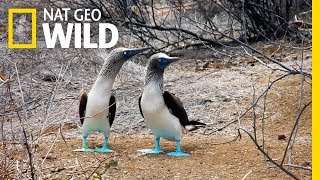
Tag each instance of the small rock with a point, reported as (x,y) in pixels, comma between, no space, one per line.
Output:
(96,176)
(49,76)
(112,163)
(281,137)
(58,170)
(205,101)
(306,164)
(226,99)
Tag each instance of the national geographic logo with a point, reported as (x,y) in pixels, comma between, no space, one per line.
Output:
(53,18)
(33,13)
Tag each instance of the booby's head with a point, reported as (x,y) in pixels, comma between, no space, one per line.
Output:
(156,65)
(160,61)
(116,58)
(126,53)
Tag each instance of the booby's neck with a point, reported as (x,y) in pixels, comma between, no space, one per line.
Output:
(107,75)
(102,86)
(111,67)
(154,77)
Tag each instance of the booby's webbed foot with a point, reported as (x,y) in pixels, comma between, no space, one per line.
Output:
(84,150)
(103,150)
(153,151)
(178,154)
(178,151)
(150,151)
(84,146)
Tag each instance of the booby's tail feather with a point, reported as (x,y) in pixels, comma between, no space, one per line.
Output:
(197,123)
(193,125)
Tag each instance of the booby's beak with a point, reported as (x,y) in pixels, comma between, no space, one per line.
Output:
(172,59)
(168,60)
(139,50)
(165,61)
(131,52)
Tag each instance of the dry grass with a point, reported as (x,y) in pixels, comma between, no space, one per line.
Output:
(207,161)
(215,96)
(215,86)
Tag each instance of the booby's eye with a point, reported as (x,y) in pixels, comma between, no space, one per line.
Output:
(125,53)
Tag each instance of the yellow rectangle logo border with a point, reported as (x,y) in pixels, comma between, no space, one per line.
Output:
(33,12)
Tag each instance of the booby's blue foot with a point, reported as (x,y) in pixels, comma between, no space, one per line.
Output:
(153,151)
(150,151)
(175,153)
(103,150)
(84,150)
(178,151)
(84,146)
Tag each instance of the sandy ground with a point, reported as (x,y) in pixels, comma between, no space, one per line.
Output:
(215,88)
(216,95)
(210,158)
(207,160)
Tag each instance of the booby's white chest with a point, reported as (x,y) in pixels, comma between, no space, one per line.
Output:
(157,115)
(97,108)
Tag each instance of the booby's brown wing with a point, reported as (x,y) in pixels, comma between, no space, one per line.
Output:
(112,109)
(140,107)
(175,106)
(82,106)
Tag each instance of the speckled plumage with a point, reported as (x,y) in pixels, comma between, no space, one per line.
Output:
(163,111)
(154,73)
(157,115)
(112,65)
(97,111)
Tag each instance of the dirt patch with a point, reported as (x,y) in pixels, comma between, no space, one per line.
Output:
(207,160)
(216,95)
(210,157)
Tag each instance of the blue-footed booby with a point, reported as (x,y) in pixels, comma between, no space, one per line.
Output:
(97,109)
(163,111)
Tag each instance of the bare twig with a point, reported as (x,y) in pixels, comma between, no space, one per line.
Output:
(22,124)
(299,106)
(268,157)
(293,130)
(245,176)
